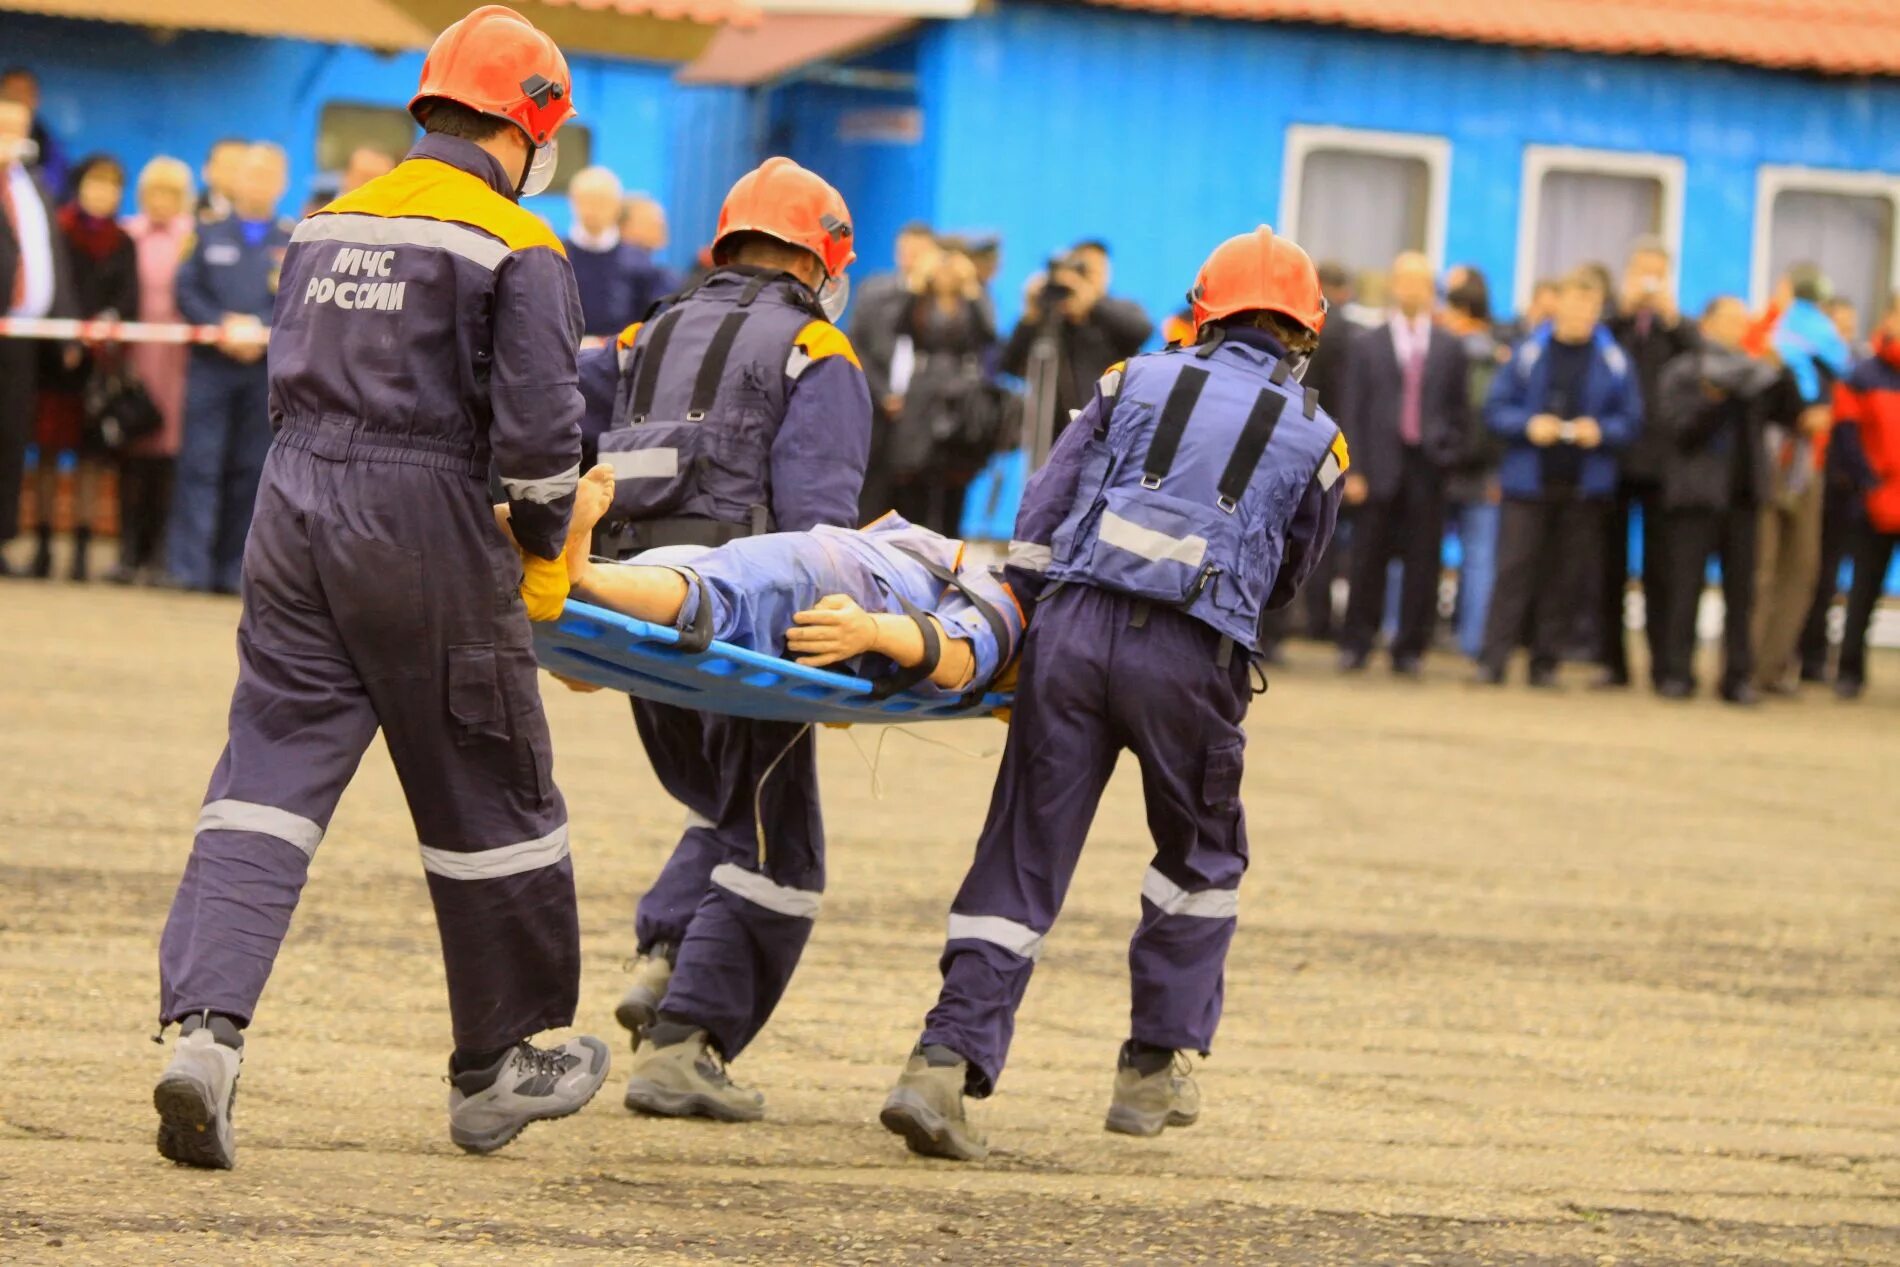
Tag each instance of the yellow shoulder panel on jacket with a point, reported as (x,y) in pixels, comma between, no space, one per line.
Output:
(1341,453)
(821,339)
(628,335)
(436,191)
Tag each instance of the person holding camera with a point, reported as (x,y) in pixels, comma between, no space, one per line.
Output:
(1710,407)
(1566,404)
(1068,311)
(950,414)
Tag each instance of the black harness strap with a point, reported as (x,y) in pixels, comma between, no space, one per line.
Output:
(1310,405)
(1279,374)
(984,608)
(1213,339)
(696,637)
(713,368)
(1254,437)
(1174,419)
(902,680)
(753,287)
(647,381)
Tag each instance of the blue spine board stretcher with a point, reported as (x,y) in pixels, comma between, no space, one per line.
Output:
(621,653)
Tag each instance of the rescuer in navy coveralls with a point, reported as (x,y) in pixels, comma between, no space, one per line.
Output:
(230,279)
(1194,493)
(426,331)
(740,409)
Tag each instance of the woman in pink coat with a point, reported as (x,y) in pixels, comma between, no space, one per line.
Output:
(162,230)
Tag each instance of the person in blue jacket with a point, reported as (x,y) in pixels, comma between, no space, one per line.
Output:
(739,410)
(425,340)
(1192,494)
(230,280)
(1566,404)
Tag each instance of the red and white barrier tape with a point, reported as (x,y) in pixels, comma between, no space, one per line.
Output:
(64,329)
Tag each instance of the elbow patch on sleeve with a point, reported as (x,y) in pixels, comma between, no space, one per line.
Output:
(814,343)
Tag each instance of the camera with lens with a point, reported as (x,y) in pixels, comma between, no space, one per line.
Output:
(1062,277)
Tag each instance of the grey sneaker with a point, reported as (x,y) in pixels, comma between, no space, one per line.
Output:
(1147,1103)
(640,1005)
(926,1108)
(688,1079)
(488,1107)
(197,1092)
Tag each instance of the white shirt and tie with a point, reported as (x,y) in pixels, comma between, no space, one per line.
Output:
(1411,341)
(26,213)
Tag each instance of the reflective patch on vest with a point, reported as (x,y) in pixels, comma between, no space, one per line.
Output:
(493,864)
(644,464)
(1030,557)
(1018,939)
(1110,384)
(548,488)
(761,891)
(440,235)
(1125,534)
(1172,899)
(264,820)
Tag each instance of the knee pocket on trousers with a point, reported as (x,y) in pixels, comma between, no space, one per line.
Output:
(1220,774)
(492,699)
(476,705)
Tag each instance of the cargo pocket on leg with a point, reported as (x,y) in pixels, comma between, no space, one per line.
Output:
(474,688)
(1220,797)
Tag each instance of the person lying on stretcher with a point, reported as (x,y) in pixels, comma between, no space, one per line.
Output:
(891,602)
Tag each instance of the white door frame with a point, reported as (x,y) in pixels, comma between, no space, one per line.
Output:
(1540,160)
(1303,139)
(1773,179)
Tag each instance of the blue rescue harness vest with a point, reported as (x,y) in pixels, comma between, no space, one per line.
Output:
(1190,481)
(701,395)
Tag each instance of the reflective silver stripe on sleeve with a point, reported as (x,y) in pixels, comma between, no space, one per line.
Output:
(643,464)
(1110,384)
(1125,534)
(698,820)
(355,228)
(1175,900)
(1018,939)
(1328,474)
(491,864)
(265,820)
(548,488)
(1030,557)
(760,891)
(797,363)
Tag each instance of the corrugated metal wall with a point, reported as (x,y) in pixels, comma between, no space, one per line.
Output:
(1164,135)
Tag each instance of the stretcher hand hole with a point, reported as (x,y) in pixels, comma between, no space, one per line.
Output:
(620,653)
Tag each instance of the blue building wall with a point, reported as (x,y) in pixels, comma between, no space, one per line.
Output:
(123,90)
(1164,135)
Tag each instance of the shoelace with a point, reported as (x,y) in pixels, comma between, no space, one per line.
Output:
(531,1059)
(1183,1066)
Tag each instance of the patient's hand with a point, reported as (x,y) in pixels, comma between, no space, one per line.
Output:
(836,629)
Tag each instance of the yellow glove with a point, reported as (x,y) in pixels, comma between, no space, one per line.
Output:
(543,586)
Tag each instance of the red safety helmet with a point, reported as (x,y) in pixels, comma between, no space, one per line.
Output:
(782,200)
(496,61)
(1259,272)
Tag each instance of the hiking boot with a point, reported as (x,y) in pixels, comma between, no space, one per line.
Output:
(640,1005)
(197,1092)
(687,1078)
(1152,1094)
(926,1107)
(492,1105)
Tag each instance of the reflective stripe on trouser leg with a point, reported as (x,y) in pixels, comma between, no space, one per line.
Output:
(1058,757)
(745,938)
(299,723)
(1177,963)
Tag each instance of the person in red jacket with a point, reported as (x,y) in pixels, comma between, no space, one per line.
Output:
(1870,405)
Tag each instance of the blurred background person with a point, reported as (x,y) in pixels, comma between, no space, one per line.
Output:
(1471,481)
(1844,484)
(1846,318)
(220,172)
(1709,406)
(1789,543)
(19,84)
(643,232)
(35,281)
(364,164)
(1086,331)
(1564,405)
(1403,412)
(229,280)
(105,277)
(608,274)
(161,232)
(1870,410)
(950,414)
(880,313)
(1650,328)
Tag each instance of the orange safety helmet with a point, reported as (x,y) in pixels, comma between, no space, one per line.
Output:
(782,200)
(1259,272)
(496,61)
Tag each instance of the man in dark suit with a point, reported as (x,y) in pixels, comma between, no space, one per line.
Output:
(35,281)
(1406,396)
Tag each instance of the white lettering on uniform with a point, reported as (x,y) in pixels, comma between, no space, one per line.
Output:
(346,295)
(359,296)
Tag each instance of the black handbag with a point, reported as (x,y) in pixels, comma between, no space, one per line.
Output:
(118,409)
